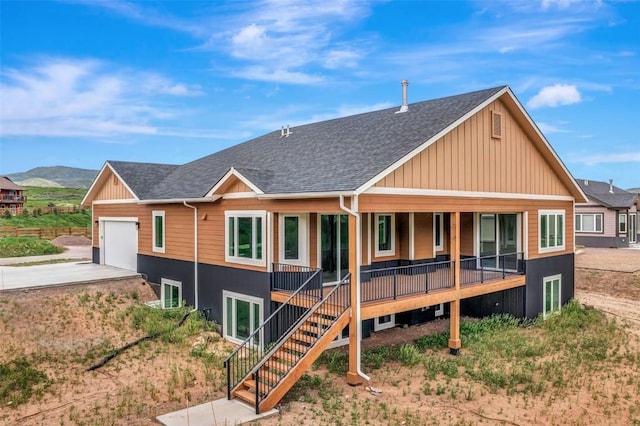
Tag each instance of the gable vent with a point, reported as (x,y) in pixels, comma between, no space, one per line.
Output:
(496,124)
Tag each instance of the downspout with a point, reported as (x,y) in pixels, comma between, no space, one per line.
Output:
(195,251)
(359,258)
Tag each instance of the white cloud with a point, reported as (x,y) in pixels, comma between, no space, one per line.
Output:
(622,157)
(277,75)
(560,4)
(556,95)
(550,128)
(66,97)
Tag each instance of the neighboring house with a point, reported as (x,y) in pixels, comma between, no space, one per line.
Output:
(609,218)
(308,237)
(12,196)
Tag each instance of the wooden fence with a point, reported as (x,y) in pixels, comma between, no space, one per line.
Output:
(46,233)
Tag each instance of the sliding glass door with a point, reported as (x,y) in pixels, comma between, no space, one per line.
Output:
(498,236)
(334,247)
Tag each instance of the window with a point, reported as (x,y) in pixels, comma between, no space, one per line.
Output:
(171,293)
(385,234)
(551,230)
(551,295)
(384,322)
(438,228)
(622,223)
(591,222)
(158,231)
(242,316)
(293,239)
(244,234)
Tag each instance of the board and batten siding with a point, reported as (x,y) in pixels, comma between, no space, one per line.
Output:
(112,188)
(469,159)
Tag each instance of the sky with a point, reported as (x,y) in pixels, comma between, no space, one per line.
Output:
(82,82)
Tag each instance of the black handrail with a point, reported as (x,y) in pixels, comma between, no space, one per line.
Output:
(391,283)
(241,362)
(480,269)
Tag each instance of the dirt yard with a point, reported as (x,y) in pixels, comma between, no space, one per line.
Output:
(63,330)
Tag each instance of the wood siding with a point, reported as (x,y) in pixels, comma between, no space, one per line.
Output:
(466,234)
(423,236)
(468,159)
(112,188)
(404,203)
(233,185)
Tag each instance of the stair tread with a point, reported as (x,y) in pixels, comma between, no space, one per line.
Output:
(301,337)
(245,395)
(300,348)
(287,357)
(310,328)
(275,364)
(251,385)
(318,319)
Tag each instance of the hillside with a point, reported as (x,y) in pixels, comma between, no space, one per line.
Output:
(67,177)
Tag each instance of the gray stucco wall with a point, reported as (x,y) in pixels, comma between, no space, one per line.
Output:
(537,270)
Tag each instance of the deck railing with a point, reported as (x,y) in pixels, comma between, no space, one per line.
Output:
(289,277)
(391,283)
(475,270)
(249,353)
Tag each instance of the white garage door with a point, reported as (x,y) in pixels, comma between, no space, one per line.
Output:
(120,245)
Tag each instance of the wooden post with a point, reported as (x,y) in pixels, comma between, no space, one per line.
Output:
(353,378)
(454,311)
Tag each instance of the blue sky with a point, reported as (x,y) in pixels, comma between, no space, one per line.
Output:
(168,82)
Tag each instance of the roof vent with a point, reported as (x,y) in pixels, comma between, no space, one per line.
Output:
(284,133)
(611,186)
(586,182)
(405,105)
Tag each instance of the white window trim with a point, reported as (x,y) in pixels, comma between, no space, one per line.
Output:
(392,235)
(544,295)
(438,247)
(303,232)
(564,233)
(243,260)
(439,310)
(622,220)
(579,217)
(167,281)
(154,214)
(341,339)
(378,326)
(245,298)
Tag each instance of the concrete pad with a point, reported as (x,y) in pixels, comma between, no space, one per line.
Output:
(220,412)
(22,277)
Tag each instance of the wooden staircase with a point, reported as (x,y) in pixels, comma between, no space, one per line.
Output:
(285,366)
(261,377)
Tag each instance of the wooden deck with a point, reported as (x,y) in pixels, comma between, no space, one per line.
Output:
(391,294)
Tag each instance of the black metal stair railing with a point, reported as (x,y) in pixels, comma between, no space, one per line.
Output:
(242,361)
(330,308)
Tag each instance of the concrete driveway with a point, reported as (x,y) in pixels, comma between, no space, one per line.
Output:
(23,277)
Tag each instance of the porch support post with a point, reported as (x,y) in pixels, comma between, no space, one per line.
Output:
(353,378)
(454,311)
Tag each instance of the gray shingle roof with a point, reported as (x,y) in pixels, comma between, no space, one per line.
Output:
(334,155)
(142,177)
(599,192)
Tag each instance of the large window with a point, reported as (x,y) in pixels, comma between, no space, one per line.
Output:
(551,294)
(293,239)
(242,316)
(158,231)
(622,223)
(551,230)
(438,231)
(589,222)
(244,234)
(385,235)
(171,293)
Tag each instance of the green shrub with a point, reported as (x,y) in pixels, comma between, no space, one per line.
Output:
(410,355)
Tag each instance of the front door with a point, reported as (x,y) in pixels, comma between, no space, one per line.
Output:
(633,228)
(334,247)
(498,236)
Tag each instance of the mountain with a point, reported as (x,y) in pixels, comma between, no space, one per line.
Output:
(67,177)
